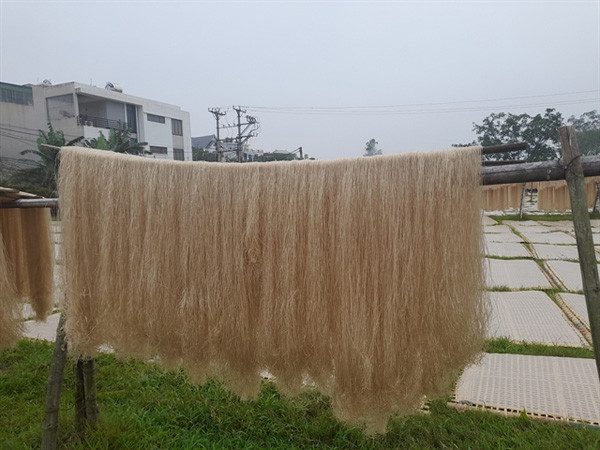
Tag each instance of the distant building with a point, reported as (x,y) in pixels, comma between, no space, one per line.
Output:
(82,110)
(228,147)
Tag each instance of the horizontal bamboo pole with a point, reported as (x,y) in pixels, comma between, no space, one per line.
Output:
(503,174)
(504,148)
(536,171)
(31,203)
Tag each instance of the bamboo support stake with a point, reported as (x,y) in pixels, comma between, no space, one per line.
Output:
(80,417)
(522,201)
(583,232)
(55,382)
(89,389)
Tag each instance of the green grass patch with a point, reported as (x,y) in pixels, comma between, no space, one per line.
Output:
(504,345)
(499,289)
(540,217)
(142,406)
(509,258)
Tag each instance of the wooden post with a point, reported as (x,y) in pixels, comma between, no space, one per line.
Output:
(89,386)
(80,417)
(86,403)
(55,382)
(583,232)
(522,201)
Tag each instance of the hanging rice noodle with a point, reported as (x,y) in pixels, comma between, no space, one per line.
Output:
(361,277)
(29,256)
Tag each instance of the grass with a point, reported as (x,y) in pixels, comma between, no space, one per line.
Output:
(504,345)
(142,406)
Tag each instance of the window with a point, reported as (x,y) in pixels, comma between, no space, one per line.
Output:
(158,150)
(132,118)
(177,127)
(155,118)
(21,95)
(60,107)
(178,154)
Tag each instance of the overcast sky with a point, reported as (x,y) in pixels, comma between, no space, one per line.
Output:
(331,75)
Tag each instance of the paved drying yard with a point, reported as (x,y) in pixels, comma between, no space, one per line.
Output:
(535,295)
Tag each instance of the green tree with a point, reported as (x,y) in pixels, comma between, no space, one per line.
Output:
(539,131)
(199,154)
(43,177)
(371,148)
(276,156)
(119,140)
(587,127)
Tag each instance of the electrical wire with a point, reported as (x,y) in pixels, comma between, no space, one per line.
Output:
(412,105)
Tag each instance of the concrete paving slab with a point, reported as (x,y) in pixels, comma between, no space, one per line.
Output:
(563,388)
(510,249)
(577,303)
(568,273)
(501,237)
(45,331)
(555,237)
(595,223)
(561,225)
(548,251)
(497,229)
(485,220)
(530,316)
(515,274)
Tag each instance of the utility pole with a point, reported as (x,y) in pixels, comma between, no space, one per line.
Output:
(239,111)
(218,114)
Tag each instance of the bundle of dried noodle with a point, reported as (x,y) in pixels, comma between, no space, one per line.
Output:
(502,197)
(29,256)
(554,195)
(11,326)
(27,264)
(361,277)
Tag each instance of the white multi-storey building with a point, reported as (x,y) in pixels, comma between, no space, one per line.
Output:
(82,110)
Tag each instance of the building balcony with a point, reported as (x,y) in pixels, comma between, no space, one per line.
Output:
(100,122)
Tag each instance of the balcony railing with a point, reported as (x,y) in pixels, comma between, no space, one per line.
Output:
(100,122)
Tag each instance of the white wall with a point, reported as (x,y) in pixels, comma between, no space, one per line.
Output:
(35,118)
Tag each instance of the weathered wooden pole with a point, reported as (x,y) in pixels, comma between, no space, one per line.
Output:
(80,417)
(86,402)
(522,200)
(583,232)
(55,382)
(89,386)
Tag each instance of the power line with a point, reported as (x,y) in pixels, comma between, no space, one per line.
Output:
(410,105)
(374,112)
